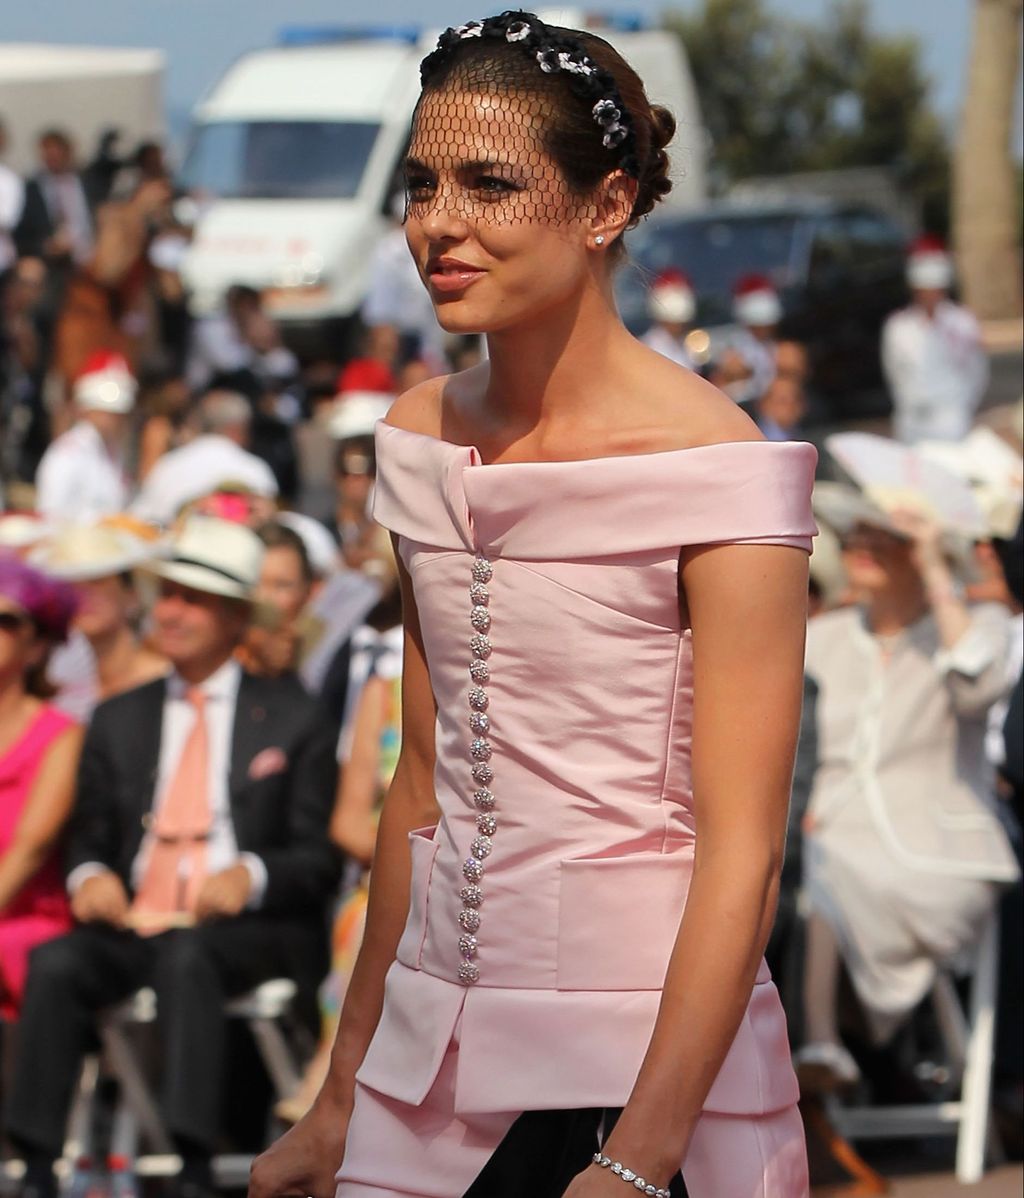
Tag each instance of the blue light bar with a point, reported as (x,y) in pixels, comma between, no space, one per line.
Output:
(319,35)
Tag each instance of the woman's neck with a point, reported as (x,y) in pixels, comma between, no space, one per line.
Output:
(554,366)
(12,697)
(892,610)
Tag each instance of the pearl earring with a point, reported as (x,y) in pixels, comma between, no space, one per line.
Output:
(599,239)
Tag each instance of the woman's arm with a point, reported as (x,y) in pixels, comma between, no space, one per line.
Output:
(44,816)
(748,609)
(353,824)
(410,803)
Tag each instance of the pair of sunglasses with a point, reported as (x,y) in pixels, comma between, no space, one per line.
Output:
(12,621)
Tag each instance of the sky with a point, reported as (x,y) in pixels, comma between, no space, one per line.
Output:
(202,37)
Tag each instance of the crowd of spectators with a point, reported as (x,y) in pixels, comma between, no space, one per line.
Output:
(201,646)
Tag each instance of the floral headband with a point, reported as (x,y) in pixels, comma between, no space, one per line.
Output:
(554,53)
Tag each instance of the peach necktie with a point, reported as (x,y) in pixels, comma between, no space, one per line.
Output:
(176,866)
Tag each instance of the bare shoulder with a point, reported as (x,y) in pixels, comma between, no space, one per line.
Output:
(688,410)
(423,408)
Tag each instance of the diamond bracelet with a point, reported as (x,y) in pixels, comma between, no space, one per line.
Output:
(620,1170)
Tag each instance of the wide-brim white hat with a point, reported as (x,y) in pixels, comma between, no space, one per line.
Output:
(80,553)
(841,507)
(214,556)
(992,469)
(892,476)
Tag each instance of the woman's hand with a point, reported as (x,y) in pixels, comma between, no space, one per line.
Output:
(304,1161)
(924,534)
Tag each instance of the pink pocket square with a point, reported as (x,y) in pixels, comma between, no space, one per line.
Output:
(267,763)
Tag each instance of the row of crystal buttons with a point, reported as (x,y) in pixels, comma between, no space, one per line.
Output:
(480,752)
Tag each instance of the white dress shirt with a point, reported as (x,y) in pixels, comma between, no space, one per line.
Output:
(197,469)
(936,370)
(12,199)
(79,479)
(221,691)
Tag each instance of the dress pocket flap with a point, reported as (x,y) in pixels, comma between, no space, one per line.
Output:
(618,918)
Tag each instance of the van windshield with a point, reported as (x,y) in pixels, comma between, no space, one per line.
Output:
(714,251)
(270,160)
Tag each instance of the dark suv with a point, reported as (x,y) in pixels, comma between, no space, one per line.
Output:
(839,271)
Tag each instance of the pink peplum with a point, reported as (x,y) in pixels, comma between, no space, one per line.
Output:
(546,902)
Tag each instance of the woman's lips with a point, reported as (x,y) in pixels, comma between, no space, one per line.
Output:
(452,277)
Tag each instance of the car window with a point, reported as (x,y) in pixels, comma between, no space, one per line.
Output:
(278,159)
(876,240)
(714,251)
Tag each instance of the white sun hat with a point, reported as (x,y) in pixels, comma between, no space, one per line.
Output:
(356,413)
(22,530)
(105,384)
(79,553)
(321,548)
(892,475)
(991,468)
(215,556)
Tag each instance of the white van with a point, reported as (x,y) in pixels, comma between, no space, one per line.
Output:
(294,156)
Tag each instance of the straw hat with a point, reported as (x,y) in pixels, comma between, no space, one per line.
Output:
(78,553)
(214,556)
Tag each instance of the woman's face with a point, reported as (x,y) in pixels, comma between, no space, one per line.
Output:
(105,605)
(20,646)
(282,582)
(876,560)
(495,232)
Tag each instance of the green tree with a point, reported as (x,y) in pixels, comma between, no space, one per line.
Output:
(780,95)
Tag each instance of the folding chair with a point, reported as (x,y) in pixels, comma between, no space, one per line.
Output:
(137,1118)
(969,1038)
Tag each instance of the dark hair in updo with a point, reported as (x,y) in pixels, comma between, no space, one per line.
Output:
(571,134)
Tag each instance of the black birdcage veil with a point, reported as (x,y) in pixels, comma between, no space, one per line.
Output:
(516,124)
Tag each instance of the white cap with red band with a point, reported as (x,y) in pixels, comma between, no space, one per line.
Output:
(672,299)
(756,303)
(105,384)
(929,266)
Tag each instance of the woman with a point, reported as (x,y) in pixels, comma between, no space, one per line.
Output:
(39,748)
(603,540)
(285,588)
(903,848)
(98,561)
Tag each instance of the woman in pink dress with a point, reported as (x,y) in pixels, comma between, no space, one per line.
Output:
(561,989)
(39,748)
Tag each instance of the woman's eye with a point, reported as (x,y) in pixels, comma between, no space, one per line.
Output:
(491,185)
(417,185)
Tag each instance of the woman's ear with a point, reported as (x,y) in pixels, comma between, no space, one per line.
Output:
(613,207)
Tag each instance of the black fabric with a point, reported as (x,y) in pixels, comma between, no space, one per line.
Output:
(544,1150)
(193,972)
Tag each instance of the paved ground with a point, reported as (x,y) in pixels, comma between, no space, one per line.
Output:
(1007,1182)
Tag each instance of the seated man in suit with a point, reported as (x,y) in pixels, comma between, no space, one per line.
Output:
(198,855)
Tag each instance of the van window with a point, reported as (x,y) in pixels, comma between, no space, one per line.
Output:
(271,160)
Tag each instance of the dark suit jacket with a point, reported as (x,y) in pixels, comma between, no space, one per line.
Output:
(35,225)
(282,818)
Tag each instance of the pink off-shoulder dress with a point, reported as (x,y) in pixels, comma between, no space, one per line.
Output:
(546,901)
(40,910)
